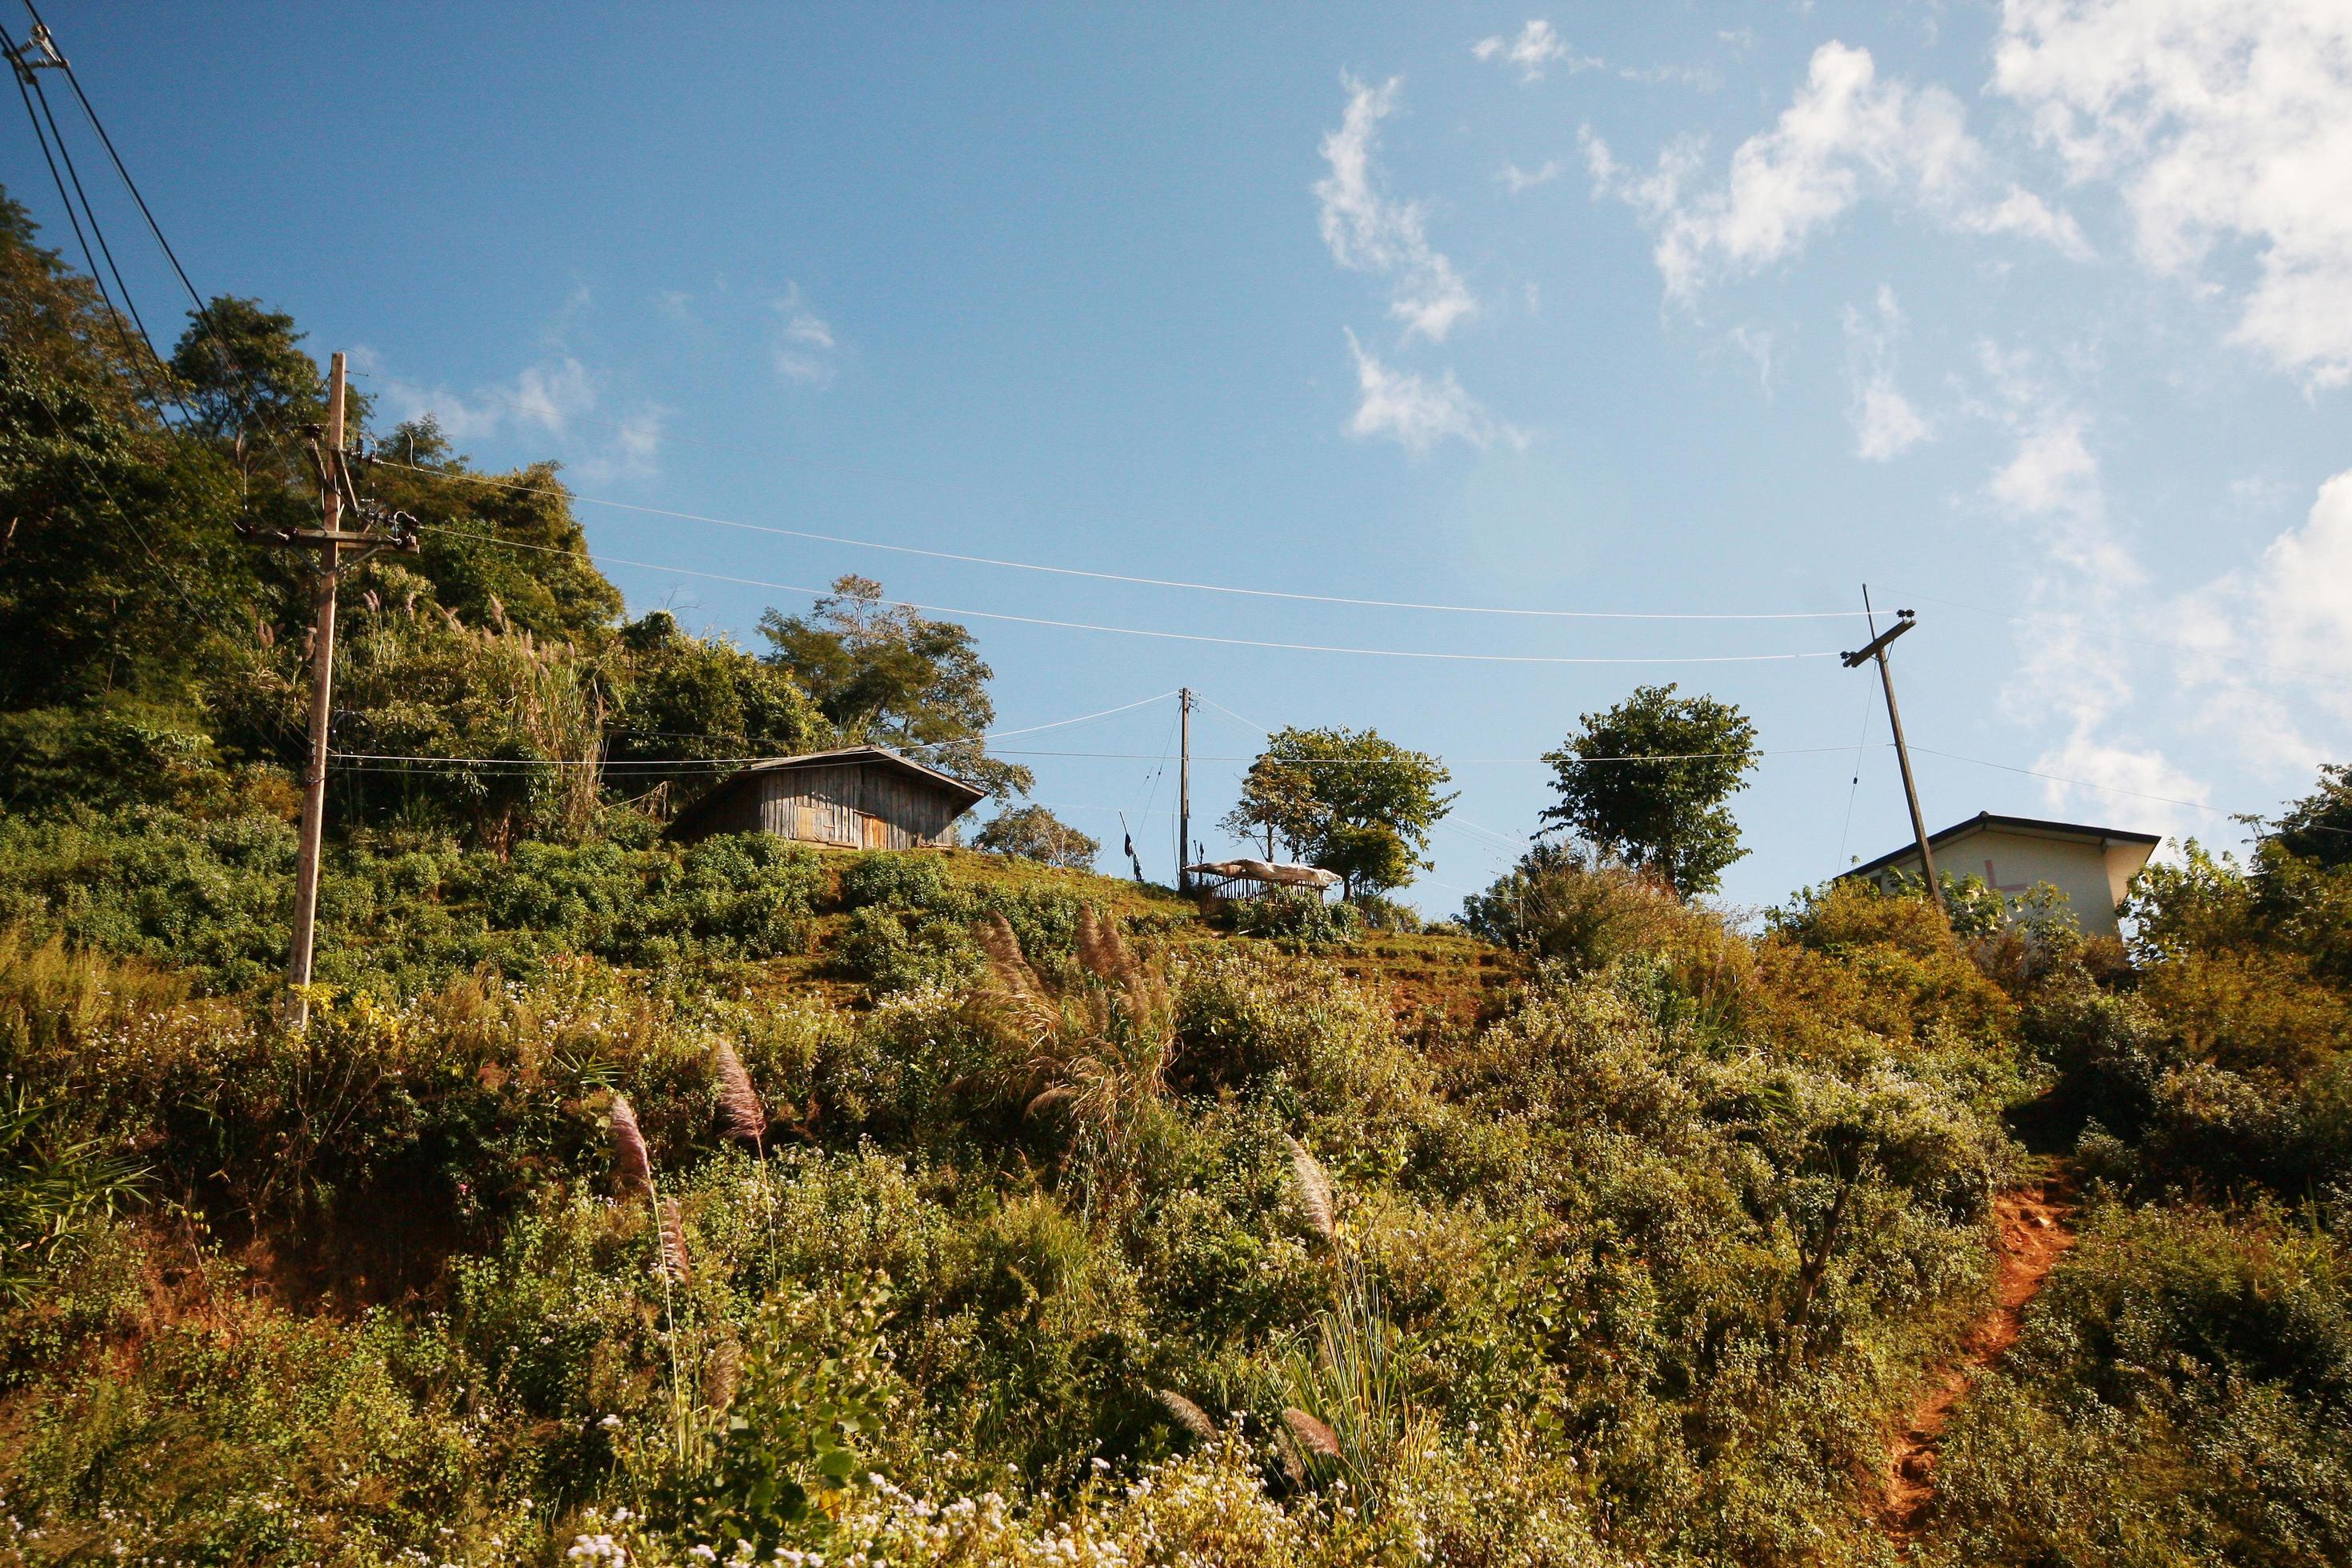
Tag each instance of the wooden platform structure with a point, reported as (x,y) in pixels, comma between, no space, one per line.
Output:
(1257,878)
(862,798)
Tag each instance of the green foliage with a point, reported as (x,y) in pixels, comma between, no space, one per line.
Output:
(246,376)
(2319,828)
(2179,1396)
(1035,834)
(880,673)
(1558,903)
(51,1192)
(1345,801)
(792,1429)
(1636,1260)
(399,913)
(688,699)
(1663,816)
(1296,914)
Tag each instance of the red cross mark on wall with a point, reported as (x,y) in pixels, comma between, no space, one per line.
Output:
(1995,882)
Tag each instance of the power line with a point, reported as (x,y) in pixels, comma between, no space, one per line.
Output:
(26,86)
(1126,577)
(2085,784)
(1082,719)
(1160,757)
(600,557)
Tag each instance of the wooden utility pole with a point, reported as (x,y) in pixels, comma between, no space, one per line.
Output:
(1184,789)
(335,488)
(1876,649)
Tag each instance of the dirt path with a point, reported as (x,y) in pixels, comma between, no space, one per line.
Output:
(2035,1233)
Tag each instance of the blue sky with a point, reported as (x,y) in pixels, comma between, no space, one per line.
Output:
(2037,318)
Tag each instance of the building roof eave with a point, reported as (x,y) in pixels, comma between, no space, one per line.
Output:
(2072,832)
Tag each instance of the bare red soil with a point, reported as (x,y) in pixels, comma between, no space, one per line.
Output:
(2033,1234)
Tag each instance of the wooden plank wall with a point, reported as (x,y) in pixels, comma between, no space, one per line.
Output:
(857,807)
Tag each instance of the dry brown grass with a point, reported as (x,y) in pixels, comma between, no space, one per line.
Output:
(741,1115)
(630,1156)
(1312,1186)
(1186,1413)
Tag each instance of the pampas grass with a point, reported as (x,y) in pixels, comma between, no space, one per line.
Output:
(673,1241)
(741,1116)
(1313,1435)
(1312,1187)
(1010,964)
(1051,1100)
(1102,953)
(1186,1413)
(629,1153)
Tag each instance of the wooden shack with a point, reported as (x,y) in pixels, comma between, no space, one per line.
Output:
(866,797)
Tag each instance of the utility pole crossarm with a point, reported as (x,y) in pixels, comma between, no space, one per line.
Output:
(1877,645)
(339,549)
(1875,651)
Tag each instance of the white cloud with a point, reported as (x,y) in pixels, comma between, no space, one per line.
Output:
(1885,425)
(804,342)
(1416,412)
(1535,47)
(1847,134)
(2222,120)
(2284,626)
(2053,472)
(2306,588)
(2136,784)
(559,402)
(1516,180)
(1368,232)
(552,396)
(1655,195)
(2262,645)
(631,450)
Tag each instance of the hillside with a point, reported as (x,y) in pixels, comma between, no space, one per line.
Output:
(632,1202)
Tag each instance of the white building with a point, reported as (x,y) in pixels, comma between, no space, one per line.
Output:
(2092,865)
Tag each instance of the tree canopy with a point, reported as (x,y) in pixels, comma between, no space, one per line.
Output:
(1034,833)
(1347,800)
(882,672)
(1645,784)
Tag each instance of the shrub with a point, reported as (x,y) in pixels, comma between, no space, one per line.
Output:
(1295,915)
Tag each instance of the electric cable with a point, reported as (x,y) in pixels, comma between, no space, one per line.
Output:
(595,556)
(1121,576)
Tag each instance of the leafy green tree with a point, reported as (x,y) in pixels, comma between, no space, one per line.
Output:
(505,548)
(1344,800)
(692,699)
(2319,828)
(1663,815)
(882,673)
(247,378)
(1033,833)
(54,324)
(118,569)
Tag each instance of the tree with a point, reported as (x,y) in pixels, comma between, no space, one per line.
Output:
(2319,828)
(1662,816)
(1035,834)
(880,673)
(696,700)
(1345,801)
(247,377)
